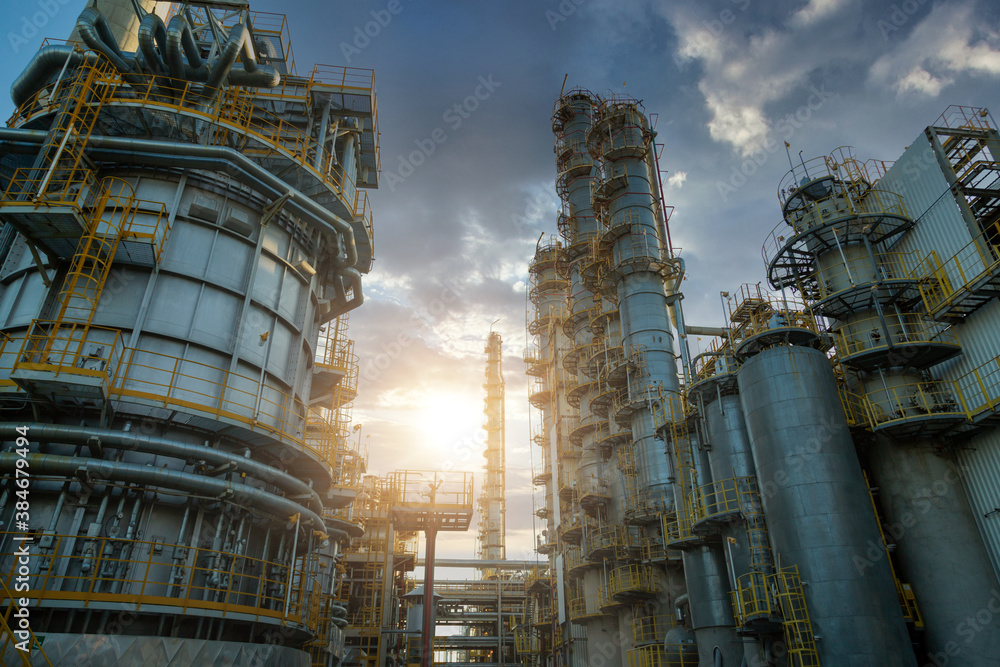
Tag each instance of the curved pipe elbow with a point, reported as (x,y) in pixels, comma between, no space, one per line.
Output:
(153,42)
(259,77)
(96,33)
(227,57)
(181,47)
(46,62)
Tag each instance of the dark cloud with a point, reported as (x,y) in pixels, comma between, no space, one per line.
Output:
(454,236)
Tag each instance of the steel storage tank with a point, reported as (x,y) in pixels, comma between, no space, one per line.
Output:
(817,506)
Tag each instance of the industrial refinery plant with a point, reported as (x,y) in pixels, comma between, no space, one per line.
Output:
(185,231)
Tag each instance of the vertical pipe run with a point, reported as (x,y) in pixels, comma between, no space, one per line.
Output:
(427,655)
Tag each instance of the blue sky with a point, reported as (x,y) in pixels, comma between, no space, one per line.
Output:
(467,190)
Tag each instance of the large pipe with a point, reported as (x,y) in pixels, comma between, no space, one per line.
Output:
(268,503)
(170,154)
(153,42)
(483,564)
(96,33)
(227,56)
(165,447)
(46,62)
(181,45)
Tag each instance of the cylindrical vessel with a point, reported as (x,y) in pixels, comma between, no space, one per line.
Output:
(817,506)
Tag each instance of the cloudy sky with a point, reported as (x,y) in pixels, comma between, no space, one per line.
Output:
(465,97)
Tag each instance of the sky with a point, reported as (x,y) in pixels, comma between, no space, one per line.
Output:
(465,96)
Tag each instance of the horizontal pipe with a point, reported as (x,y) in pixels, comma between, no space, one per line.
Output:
(694,330)
(485,564)
(166,447)
(69,466)
(47,61)
(184,155)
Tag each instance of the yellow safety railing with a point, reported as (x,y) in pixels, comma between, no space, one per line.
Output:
(866,335)
(780,313)
(410,488)
(718,360)
(69,348)
(723,497)
(903,402)
(584,607)
(855,408)
(634,580)
(907,600)
(944,283)
(142,573)
(647,629)
(226,109)
(175,381)
(981,388)
(841,277)
(752,598)
(9,624)
(665,655)
(64,189)
(840,205)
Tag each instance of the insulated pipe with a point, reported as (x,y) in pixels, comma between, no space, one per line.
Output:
(268,503)
(46,62)
(694,330)
(95,31)
(169,154)
(166,447)
(227,57)
(181,45)
(153,42)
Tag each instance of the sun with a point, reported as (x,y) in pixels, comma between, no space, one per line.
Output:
(449,424)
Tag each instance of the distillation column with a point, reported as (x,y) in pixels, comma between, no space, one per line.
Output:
(547,289)
(571,121)
(626,201)
(492,503)
(844,258)
(815,497)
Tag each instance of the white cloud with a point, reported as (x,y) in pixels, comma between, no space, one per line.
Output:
(816,11)
(946,43)
(677,179)
(747,67)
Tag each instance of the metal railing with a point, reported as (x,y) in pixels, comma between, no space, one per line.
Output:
(71,349)
(943,283)
(231,110)
(867,335)
(981,388)
(181,577)
(634,580)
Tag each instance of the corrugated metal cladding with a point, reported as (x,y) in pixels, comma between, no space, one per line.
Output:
(940,227)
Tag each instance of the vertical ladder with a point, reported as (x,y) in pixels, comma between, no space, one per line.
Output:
(7,620)
(798,628)
(91,264)
(60,160)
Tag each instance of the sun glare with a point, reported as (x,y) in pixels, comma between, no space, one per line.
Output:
(449,424)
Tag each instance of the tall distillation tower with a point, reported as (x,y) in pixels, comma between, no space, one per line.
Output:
(492,502)
(185,229)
